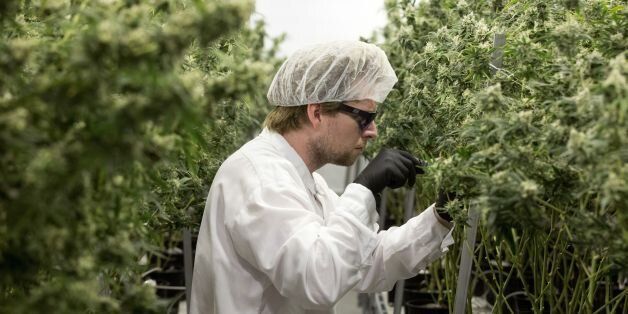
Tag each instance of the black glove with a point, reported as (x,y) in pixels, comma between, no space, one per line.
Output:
(390,168)
(442,200)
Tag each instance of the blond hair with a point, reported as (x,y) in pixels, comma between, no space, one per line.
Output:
(283,119)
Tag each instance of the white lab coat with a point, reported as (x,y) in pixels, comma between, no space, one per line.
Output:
(275,239)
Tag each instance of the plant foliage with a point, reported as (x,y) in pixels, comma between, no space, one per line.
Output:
(114,116)
(533,134)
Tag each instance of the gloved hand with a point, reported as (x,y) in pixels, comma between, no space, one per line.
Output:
(442,200)
(390,168)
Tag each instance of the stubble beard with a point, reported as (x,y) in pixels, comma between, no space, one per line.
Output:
(324,152)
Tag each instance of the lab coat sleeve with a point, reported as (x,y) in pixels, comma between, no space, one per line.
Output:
(403,251)
(308,259)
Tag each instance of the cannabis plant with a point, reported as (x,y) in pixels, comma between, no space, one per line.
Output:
(108,110)
(532,133)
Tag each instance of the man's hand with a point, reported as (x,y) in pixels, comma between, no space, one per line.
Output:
(390,168)
(442,200)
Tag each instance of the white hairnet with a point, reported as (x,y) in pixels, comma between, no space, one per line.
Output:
(334,71)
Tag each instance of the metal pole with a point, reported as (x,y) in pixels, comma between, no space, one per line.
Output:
(466,261)
(187,265)
(468,246)
(365,300)
(370,302)
(408,206)
(497,57)
(375,298)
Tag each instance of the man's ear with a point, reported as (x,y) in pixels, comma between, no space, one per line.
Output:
(314,115)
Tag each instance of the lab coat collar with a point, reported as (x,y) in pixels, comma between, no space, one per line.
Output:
(280,143)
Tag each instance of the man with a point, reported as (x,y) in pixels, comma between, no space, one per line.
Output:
(274,237)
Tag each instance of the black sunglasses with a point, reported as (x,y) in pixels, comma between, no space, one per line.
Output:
(363,118)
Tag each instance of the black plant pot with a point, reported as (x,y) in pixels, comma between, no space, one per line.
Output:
(423,302)
(416,283)
(420,296)
(417,307)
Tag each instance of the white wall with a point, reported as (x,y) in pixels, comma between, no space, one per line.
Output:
(314,21)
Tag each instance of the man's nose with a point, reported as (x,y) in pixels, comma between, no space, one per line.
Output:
(370,132)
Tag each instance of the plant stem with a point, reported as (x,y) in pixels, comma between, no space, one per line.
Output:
(592,282)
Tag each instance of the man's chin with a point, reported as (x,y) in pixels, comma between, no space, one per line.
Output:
(346,161)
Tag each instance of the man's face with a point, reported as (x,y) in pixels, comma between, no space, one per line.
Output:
(343,140)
